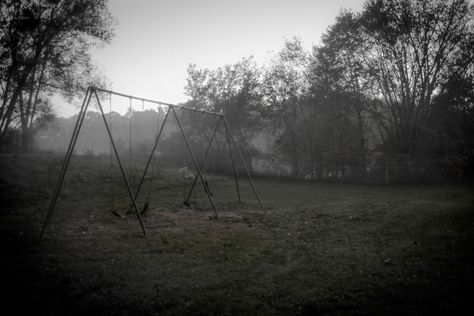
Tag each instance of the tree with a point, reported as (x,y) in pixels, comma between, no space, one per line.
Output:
(341,63)
(44,49)
(396,65)
(336,133)
(286,86)
(414,46)
(233,90)
(449,140)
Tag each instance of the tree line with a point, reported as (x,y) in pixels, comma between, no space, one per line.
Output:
(134,134)
(392,81)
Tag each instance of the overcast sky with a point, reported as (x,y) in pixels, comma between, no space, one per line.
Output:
(156,40)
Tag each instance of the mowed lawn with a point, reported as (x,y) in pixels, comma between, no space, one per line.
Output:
(315,248)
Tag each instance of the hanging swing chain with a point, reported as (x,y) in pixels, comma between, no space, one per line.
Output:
(122,170)
(130,144)
(112,180)
(193,158)
(157,134)
(150,158)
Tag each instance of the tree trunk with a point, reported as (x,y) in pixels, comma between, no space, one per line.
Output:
(26,138)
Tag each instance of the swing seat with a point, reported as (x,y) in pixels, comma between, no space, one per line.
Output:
(117,214)
(145,207)
(206,188)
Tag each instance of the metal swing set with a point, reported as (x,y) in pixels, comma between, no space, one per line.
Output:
(92,92)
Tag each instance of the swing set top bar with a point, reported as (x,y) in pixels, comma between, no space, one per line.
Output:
(156,102)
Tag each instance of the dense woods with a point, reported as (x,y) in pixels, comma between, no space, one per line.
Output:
(388,88)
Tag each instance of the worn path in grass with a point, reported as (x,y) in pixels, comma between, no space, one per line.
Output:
(315,248)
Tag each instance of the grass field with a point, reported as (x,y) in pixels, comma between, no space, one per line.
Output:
(315,248)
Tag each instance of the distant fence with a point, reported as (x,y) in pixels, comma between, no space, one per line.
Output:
(401,171)
(397,171)
(377,169)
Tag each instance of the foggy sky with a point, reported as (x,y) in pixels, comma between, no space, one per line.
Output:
(157,39)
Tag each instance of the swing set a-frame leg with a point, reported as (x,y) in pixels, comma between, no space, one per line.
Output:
(122,170)
(186,201)
(68,156)
(242,162)
(150,158)
(236,179)
(67,159)
(229,139)
(198,170)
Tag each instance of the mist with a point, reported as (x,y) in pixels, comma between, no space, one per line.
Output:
(238,158)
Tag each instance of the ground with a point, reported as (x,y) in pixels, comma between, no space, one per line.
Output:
(315,248)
